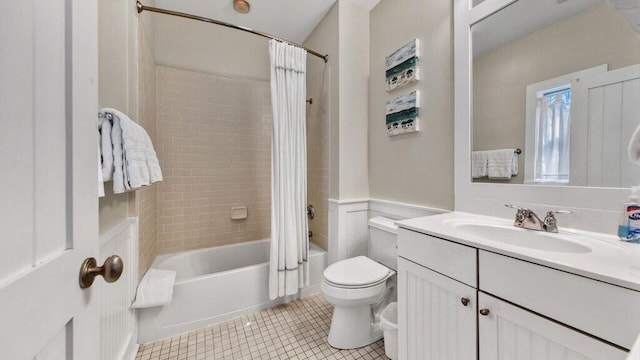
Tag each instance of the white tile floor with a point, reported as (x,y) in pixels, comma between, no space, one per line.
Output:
(297,330)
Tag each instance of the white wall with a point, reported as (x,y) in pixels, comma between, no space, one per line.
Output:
(415,168)
(342,34)
(353,112)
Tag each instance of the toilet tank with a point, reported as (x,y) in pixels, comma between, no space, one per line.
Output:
(383,236)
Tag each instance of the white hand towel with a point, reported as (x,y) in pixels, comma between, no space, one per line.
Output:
(100,176)
(106,145)
(118,158)
(155,289)
(479,164)
(634,147)
(500,164)
(135,161)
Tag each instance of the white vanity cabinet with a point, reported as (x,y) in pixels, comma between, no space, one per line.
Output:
(437,315)
(460,302)
(437,312)
(507,332)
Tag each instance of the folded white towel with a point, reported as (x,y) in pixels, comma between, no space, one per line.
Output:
(135,163)
(155,289)
(106,146)
(100,176)
(118,157)
(479,164)
(502,164)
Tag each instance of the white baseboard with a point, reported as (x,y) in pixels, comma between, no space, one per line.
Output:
(132,350)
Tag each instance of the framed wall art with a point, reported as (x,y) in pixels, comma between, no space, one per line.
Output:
(402,67)
(402,114)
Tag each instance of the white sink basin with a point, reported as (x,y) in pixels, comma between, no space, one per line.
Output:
(530,239)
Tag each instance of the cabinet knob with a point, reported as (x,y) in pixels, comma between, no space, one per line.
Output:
(484,312)
(464,301)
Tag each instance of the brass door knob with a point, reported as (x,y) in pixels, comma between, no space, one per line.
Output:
(484,312)
(110,270)
(464,301)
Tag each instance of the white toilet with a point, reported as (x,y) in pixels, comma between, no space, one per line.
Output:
(359,288)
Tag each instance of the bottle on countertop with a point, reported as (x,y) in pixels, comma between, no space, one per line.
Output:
(629,227)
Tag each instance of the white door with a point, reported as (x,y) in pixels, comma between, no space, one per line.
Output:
(508,332)
(48,178)
(436,315)
(604,115)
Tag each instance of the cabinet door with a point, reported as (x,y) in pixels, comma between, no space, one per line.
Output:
(508,332)
(436,315)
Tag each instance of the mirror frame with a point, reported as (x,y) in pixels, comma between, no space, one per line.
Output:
(595,208)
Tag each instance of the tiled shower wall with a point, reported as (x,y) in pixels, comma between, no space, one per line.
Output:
(214,144)
(146,198)
(318,153)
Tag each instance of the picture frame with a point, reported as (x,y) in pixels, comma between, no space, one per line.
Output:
(402,115)
(402,67)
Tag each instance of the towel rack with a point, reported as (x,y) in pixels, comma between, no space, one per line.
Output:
(107,116)
(517,151)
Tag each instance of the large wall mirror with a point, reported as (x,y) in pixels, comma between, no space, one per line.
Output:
(556,83)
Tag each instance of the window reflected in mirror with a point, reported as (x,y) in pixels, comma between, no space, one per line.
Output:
(551,151)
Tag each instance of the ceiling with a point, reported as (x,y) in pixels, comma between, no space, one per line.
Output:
(292,20)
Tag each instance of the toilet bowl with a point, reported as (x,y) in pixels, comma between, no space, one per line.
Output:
(359,288)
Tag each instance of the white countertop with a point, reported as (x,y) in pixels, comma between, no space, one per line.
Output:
(611,260)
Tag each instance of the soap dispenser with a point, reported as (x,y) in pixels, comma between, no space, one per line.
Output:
(629,227)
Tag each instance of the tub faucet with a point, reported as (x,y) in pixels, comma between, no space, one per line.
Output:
(526,219)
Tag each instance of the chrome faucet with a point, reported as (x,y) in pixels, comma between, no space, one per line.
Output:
(526,219)
(549,223)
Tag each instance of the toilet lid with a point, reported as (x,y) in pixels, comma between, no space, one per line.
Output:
(357,271)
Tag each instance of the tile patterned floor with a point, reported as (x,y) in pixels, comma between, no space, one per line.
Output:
(296,331)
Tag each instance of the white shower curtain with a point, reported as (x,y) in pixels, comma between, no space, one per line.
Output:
(552,161)
(288,270)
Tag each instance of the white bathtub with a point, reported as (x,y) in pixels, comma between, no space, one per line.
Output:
(216,284)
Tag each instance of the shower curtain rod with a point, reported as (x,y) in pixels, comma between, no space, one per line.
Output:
(142,8)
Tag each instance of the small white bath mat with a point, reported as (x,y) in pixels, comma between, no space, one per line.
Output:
(155,289)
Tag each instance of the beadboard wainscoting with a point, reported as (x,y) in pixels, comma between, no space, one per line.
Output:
(117,319)
(347,228)
(349,220)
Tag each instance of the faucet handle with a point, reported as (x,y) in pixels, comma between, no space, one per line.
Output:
(550,224)
(551,213)
(514,207)
(521,215)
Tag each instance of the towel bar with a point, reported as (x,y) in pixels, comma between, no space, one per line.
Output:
(107,116)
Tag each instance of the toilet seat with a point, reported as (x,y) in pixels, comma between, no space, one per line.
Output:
(356,273)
